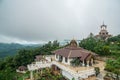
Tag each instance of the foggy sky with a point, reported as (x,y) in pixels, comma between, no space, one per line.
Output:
(43,20)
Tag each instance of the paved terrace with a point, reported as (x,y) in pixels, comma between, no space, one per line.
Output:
(82,72)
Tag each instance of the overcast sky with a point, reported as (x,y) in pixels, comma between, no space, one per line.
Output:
(31,21)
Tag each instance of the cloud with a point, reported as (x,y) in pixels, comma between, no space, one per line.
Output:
(7,39)
(44,20)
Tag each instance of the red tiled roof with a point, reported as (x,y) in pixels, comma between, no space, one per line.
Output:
(39,58)
(72,51)
(79,53)
(22,68)
(63,52)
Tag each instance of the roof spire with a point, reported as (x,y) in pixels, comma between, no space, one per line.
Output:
(73,37)
(103,22)
(73,43)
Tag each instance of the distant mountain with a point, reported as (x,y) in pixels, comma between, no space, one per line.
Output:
(11,49)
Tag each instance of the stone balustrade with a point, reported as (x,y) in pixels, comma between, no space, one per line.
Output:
(76,75)
(38,65)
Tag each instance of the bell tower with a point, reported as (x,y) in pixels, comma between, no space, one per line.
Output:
(103,34)
(103,27)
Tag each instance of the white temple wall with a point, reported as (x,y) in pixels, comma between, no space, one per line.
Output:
(63,60)
(57,58)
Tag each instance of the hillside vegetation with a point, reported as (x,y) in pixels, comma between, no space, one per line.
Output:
(109,49)
(8,65)
(12,48)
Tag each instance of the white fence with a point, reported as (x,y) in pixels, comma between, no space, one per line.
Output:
(67,72)
(38,65)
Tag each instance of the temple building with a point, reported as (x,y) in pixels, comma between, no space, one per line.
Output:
(61,61)
(103,34)
(72,51)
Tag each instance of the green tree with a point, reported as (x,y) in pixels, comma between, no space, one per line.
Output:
(73,78)
(97,70)
(55,43)
(114,67)
(88,43)
(76,62)
(106,49)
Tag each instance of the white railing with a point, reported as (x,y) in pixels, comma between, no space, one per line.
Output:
(20,71)
(81,74)
(49,57)
(38,65)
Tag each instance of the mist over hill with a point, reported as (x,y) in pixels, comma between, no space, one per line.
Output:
(10,49)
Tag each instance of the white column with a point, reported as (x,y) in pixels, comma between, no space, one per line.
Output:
(87,63)
(83,63)
(68,61)
(63,60)
(23,78)
(56,57)
(31,75)
(92,62)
